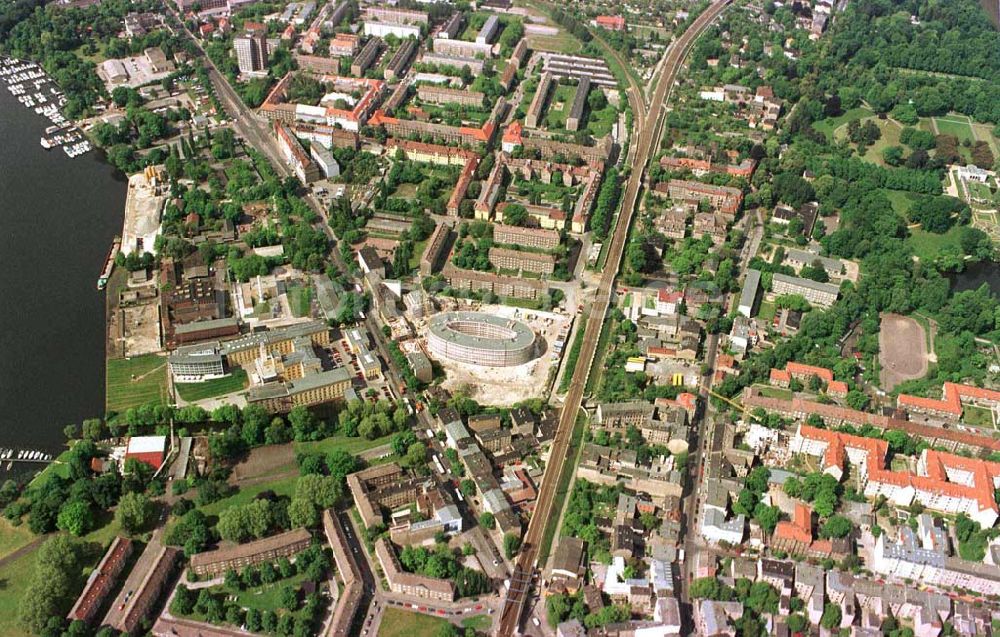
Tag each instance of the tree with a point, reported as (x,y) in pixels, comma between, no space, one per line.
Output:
(241,523)
(556,609)
(53,584)
(837,526)
(290,598)
(858,400)
(831,617)
(76,518)
(134,512)
(511,544)
(183,602)
(468,487)
(766,516)
(487,521)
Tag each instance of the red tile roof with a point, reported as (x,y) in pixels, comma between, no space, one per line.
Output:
(799,528)
(954,395)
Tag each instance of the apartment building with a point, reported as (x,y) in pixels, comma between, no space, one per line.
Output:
(269,549)
(579,104)
(101,581)
(816,293)
(401,60)
(526,237)
(251,51)
(804,374)
(462,48)
(367,56)
(499,285)
(723,198)
(436,249)
(445,95)
(944,482)
(381,486)
(533,117)
(508,259)
(404,583)
(312,389)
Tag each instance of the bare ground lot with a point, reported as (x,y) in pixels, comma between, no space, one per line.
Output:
(902,346)
(263,461)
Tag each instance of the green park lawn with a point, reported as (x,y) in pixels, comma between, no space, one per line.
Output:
(766,311)
(193,392)
(927,245)
(775,392)
(136,381)
(353,445)
(300,299)
(14,580)
(560,102)
(401,623)
(978,417)
(957,125)
(901,200)
(562,42)
(281,486)
(479,623)
(830,125)
(13,537)
(266,597)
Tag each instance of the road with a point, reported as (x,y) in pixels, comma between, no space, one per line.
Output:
(692,501)
(645,143)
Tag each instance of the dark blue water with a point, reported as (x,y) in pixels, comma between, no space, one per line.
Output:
(57,220)
(975,275)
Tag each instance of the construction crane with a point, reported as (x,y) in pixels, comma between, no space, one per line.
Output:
(742,409)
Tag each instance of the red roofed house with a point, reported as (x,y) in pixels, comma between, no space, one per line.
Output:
(802,373)
(943,482)
(950,406)
(511,137)
(149,449)
(794,536)
(611,22)
(686,401)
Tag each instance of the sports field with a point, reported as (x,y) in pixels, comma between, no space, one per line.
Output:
(136,381)
(957,125)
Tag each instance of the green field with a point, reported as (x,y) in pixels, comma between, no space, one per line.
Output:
(234,382)
(350,445)
(57,468)
(300,299)
(282,486)
(901,200)
(977,417)
(13,537)
(560,102)
(890,137)
(563,42)
(264,597)
(829,125)
(14,580)
(479,623)
(956,125)
(928,245)
(401,623)
(775,392)
(136,381)
(766,312)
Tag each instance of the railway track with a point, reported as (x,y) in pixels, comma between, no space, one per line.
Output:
(521,582)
